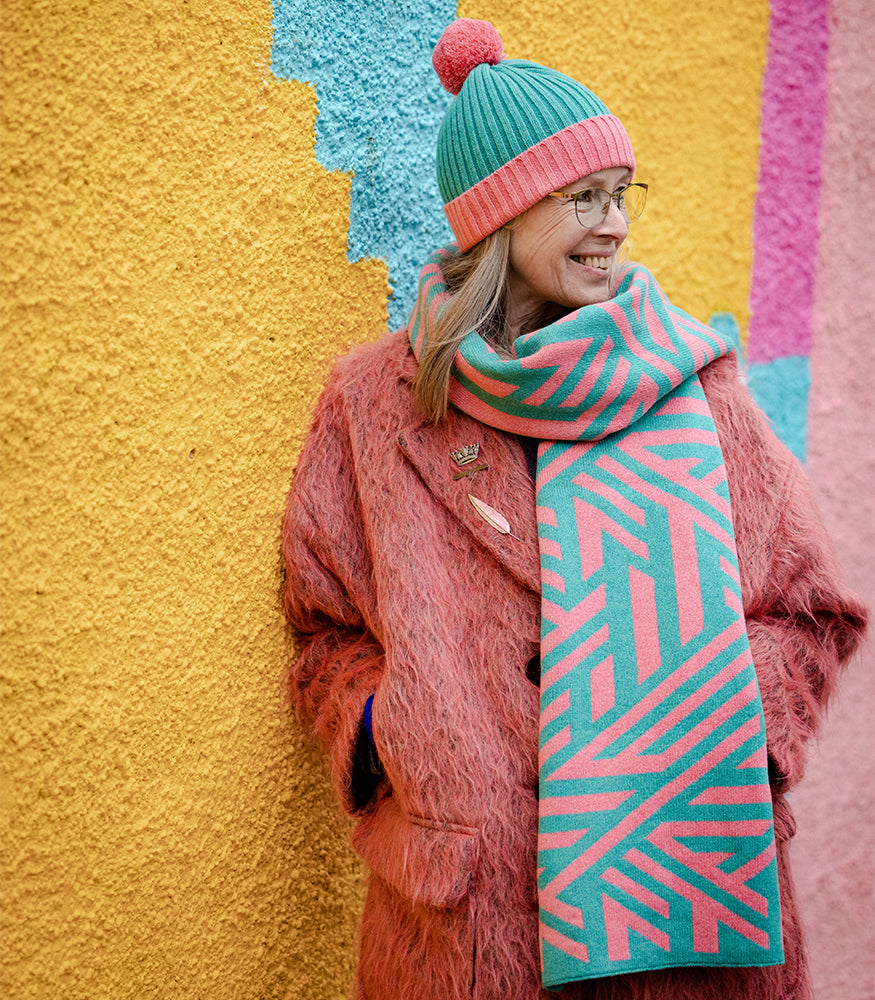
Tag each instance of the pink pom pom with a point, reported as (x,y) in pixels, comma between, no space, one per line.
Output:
(463,45)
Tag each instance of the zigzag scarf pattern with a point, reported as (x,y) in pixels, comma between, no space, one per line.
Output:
(656,844)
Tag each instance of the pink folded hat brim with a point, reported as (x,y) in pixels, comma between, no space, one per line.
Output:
(581,149)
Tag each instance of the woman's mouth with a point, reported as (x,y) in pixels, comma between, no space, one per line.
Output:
(602,263)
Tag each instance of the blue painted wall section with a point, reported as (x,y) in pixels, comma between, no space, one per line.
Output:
(380,108)
(780,388)
(727,326)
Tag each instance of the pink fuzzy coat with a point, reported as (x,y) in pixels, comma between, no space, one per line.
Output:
(397,586)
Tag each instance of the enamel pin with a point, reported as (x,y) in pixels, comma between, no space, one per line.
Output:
(465,457)
(491,516)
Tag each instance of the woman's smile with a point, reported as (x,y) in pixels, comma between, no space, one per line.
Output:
(597,263)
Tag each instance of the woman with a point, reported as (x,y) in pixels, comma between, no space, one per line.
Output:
(563,709)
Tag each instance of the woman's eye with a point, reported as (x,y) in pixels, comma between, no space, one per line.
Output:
(585,197)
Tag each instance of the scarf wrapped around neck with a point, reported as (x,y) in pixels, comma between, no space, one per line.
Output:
(655,840)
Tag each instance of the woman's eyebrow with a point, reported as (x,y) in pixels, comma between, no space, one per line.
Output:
(597,181)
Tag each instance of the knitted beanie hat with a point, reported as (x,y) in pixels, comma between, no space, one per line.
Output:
(515,132)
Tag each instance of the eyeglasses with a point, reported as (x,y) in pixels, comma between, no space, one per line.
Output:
(593,204)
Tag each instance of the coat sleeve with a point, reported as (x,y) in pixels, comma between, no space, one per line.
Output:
(328,600)
(803,624)
(803,627)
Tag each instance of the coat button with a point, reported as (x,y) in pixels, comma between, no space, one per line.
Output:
(533,670)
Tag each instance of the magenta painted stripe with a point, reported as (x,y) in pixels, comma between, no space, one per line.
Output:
(785,229)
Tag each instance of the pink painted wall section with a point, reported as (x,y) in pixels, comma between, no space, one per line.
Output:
(785,227)
(785,220)
(835,805)
(811,359)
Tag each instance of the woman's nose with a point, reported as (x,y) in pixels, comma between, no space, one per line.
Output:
(613,222)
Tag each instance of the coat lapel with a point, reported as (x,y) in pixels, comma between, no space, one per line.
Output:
(504,485)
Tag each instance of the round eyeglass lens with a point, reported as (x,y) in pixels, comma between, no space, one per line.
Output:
(632,201)
(592,206)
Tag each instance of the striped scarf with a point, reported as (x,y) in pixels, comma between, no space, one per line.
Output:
(655,842)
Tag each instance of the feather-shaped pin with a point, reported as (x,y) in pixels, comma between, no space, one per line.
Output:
(491,516)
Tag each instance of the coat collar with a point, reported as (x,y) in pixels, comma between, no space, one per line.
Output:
(504,485)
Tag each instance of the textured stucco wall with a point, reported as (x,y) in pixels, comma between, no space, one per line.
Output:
(175,282)
(194,223)
(835,805)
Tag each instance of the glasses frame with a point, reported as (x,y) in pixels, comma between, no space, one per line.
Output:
(614,196)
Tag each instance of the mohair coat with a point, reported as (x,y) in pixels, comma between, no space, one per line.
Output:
(396,585)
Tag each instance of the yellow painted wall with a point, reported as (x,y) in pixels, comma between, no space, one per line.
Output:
(174,286)
(175,283)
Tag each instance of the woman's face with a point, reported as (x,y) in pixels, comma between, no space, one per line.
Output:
(555,264)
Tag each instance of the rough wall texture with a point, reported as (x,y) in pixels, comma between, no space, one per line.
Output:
(175,283)
(835,805)
(181,261)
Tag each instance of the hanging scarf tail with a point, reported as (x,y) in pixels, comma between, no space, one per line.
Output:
(656,844)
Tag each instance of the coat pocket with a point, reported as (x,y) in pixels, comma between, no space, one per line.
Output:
(417,934)
(426,861)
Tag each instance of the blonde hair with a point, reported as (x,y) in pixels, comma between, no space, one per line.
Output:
(477,280)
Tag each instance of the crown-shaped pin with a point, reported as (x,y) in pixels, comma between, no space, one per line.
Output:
(469,453)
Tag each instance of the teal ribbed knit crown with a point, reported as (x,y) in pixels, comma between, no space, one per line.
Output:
(500,112)
(515,132)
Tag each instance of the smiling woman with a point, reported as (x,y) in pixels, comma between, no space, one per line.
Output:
(566,614)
